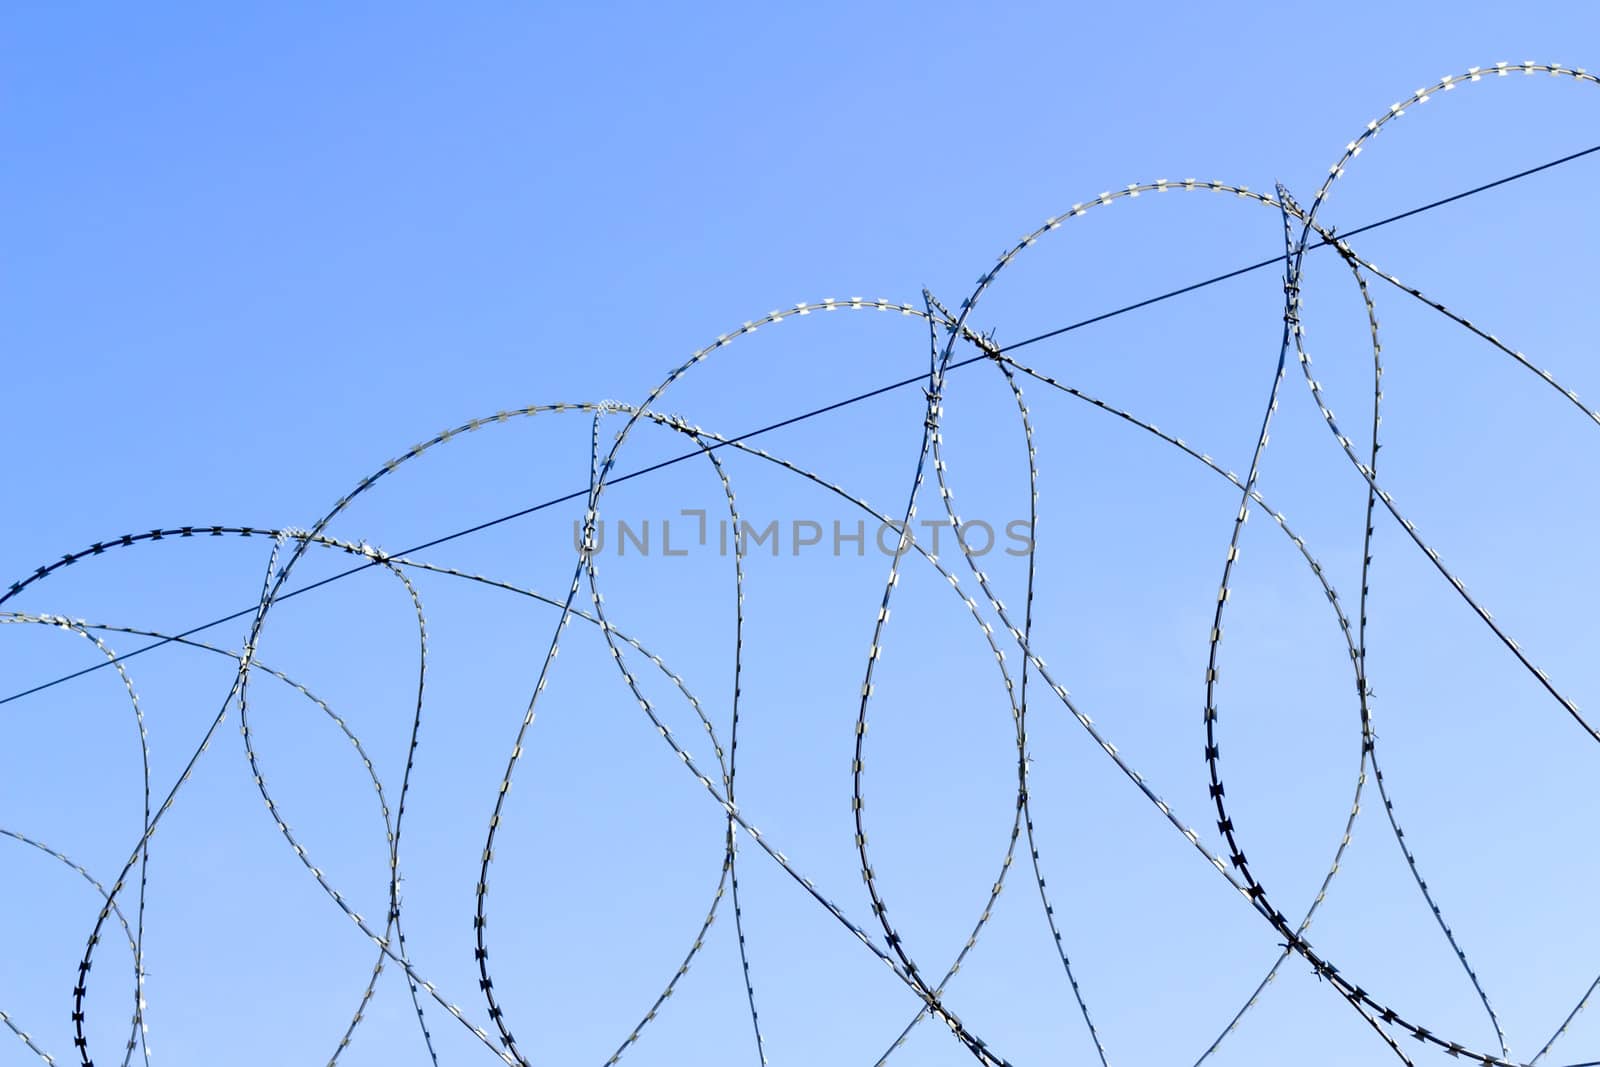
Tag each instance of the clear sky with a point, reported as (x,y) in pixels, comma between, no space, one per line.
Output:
(254,253)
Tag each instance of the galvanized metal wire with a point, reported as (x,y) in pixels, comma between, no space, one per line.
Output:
(1029,685)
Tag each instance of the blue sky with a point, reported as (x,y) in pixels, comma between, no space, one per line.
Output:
(256,253)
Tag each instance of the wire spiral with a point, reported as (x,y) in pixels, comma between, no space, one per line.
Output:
(1006,631)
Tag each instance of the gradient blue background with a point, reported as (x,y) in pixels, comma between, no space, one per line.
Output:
(253,253)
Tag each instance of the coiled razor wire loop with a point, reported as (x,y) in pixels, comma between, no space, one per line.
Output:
(948,332)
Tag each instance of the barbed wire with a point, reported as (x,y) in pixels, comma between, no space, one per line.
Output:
(1003,631)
